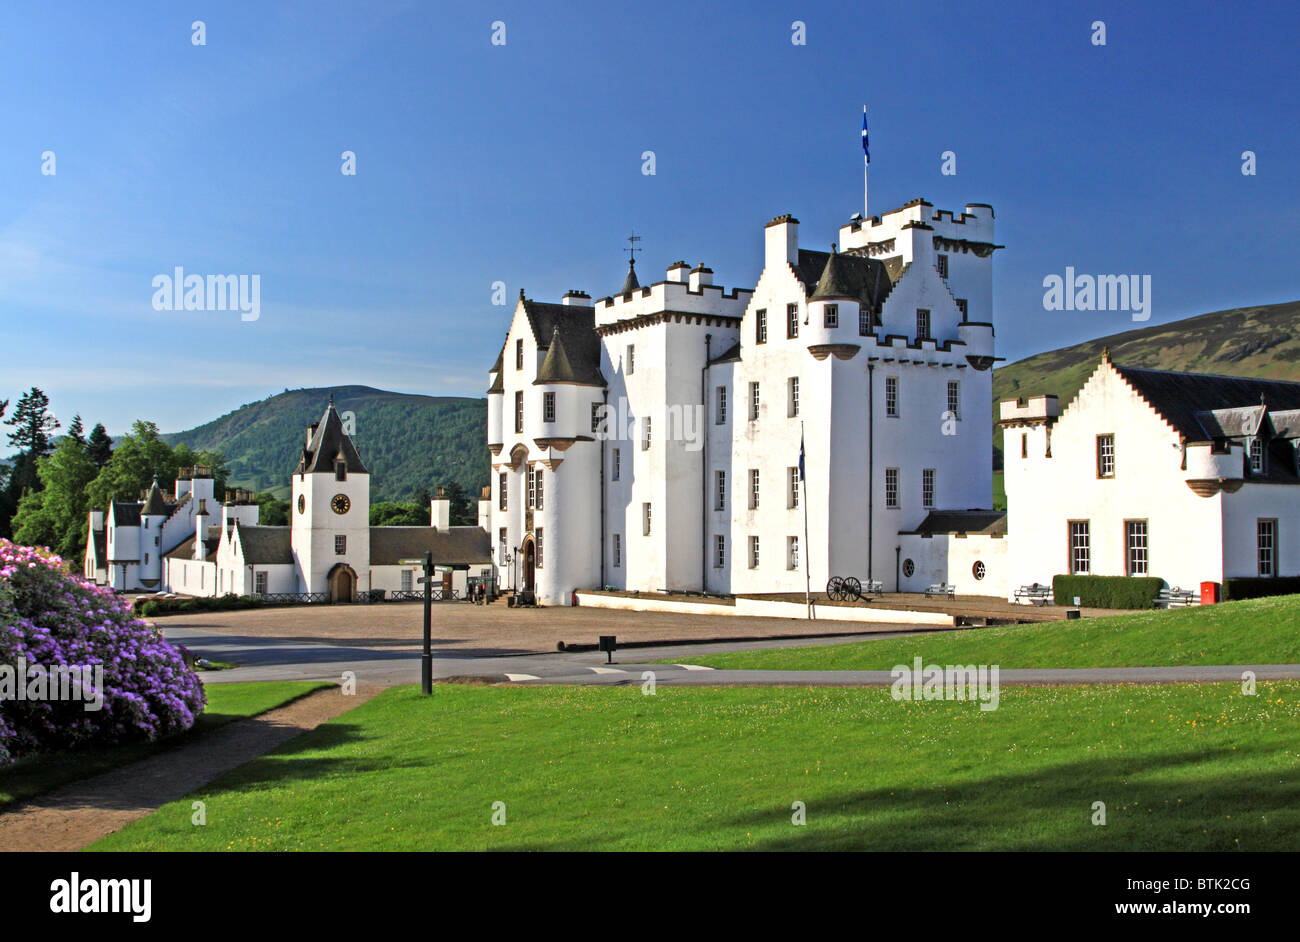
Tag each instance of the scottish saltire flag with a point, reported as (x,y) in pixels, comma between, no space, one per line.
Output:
(866,151)
(800,456)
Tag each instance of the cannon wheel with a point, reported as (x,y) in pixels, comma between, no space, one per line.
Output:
(853,589)
(835,588)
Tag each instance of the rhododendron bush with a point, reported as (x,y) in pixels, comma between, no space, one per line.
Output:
(48,618)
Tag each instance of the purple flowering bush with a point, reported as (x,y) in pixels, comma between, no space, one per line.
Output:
(50,617)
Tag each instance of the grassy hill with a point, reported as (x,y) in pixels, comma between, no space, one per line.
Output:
(408,442)
(1247,341)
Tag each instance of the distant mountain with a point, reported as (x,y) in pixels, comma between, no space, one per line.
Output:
(1245,341)
(409,443)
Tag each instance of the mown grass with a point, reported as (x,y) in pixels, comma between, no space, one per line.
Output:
(1179,767)
(1254,631)
(33,776)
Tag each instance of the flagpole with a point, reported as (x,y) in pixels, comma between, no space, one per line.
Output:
(807,576)
(866,167)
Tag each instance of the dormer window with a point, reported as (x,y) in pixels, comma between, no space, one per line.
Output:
(1256,456)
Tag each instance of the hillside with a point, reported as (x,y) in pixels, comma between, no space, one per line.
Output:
(409,443)
(1248,341)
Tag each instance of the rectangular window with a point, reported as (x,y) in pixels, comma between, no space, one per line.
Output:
(927,487)
(618,464)
(922,324)
(760,326)
(891,487)
(753,488)
(548,407)
(259,583)
(645,519)
(961,306)
(501,545)
(1080,548)
(954,398)
(519,354)
(864,320)
(340,545)
(793,477)
(340,471)
(792,552)
(645,434)
(792,397)
(792,320)
(891,395)
(407,580)
(531,503)
(753,402)
(618,550)
(721,502)
(1105,456)
(537,547)
(597,413)
(539,504)
(1024,444)
(721,412)
(1135,543)
(631,359)
(719,551)
(502,490)
(519,413)
(1266,540)
(1256,456)
(753,552)
(832,318)
(941,263)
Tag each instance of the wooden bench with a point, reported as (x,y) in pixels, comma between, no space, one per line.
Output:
(1035,594)
(1174,597)
(941,589)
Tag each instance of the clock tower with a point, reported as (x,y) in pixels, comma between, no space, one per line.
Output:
(330,512)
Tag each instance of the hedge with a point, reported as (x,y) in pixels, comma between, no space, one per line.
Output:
(1107,591)
(1255,588)
(151,607)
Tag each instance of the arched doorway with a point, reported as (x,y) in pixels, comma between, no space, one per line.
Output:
(530,565)
(343,583)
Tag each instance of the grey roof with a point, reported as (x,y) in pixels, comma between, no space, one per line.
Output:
(558,368)
(1232,423)
(498,384)
(731,354)
(576,326)
(155,505)
(865,280)
(993,522)
(1183,398)
(455,545)
(126,515)
(330,442)
(186,549)
(1285,422)
(835,283)
(630,283)
(267,546)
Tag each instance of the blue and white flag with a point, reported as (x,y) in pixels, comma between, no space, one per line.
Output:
(866,151)
(801,456)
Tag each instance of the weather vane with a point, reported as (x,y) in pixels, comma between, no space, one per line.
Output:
(631,250)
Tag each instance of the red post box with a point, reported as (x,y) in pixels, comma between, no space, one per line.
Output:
(1209,593)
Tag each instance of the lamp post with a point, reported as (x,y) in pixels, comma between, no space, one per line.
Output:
(426,659)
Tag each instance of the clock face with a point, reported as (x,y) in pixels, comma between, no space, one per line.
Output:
(340,504)
(302,504)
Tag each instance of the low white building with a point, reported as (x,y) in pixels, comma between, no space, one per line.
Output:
(1185,477)
(651,440)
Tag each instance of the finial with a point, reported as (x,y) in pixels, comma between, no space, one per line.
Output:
(631,250)
(331,400)
(1105,354)
(521,294)
(833,250)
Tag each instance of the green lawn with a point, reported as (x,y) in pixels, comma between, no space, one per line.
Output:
(1255,631)
(226,702)
(1179,767)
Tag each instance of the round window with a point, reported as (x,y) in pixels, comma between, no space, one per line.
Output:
(909,567)
(978,569)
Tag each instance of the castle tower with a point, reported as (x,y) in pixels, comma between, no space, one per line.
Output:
(152,517)
(330,530)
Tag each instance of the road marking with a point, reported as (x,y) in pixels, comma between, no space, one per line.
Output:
(606,670)
(513,677)
(693,667)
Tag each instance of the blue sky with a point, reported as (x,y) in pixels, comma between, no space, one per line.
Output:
(522,164)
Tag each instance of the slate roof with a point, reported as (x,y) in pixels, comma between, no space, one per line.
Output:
(630,283)
(328,443)
(993,522)
(455,545)
(126,515)
(1183,399)
(267,546)
(865,280)
(558,368)
(155,505)
(576,325)
(186,548)
(498,384)
(730,355)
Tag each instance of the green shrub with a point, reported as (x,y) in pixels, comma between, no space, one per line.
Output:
(152,607)
(1236,589)
(1107,591)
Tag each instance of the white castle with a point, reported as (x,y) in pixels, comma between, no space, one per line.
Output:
(651,440)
